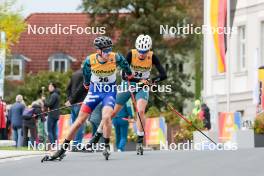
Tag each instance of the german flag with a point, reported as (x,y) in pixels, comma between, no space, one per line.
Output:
(218,18)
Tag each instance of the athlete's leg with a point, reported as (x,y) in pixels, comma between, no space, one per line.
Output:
(89,103)
(142,101)
(107,121)
(141,107)
(121,99)
(83,115)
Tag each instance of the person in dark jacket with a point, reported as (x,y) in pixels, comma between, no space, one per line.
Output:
(30,123)
(206,113)
(52,103)
(76,94)
(15,117)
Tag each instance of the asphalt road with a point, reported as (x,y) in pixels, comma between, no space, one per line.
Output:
(244,162)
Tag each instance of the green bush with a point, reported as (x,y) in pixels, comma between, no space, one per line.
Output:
(185,133)
(259,124)
(153,112)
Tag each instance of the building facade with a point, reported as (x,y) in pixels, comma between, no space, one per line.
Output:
(245,49)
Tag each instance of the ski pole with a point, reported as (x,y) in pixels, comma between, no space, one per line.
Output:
(184,118)
(64,107)
(135,105)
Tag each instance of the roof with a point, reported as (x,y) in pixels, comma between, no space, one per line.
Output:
(38,46)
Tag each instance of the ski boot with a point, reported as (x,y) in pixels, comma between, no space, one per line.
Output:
(93,141)
(106,151)
(139,148)
(59,155)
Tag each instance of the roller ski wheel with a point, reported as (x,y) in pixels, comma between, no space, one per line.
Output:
(106,152)
(139,149)
(53,158)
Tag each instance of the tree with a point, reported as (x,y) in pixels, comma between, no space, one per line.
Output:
(11,23)
(147,17)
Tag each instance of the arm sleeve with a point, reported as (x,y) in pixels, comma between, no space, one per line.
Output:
(123,64)
(51,100)
(87,71)
(162,73)
(128,59)
(77,94)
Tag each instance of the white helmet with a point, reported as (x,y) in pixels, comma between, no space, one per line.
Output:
(143,42)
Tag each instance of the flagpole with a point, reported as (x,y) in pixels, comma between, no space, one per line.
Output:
(2,62)
(228,58)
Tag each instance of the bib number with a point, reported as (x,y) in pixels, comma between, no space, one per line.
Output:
(103,79)
(138,74)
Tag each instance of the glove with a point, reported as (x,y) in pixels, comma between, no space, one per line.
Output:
(86,86)
(129,77)
(144,81)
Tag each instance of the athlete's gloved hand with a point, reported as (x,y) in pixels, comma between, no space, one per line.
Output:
(86,86)
(145,81)
(129,77)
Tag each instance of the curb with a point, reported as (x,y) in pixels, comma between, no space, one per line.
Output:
(22,155)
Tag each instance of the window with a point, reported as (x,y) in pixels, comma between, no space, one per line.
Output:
(60,62)
(241,48)
(14,68)
(59,65)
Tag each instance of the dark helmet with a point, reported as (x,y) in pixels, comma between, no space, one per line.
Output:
(102,42)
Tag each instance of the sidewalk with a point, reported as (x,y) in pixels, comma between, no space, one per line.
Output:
(4,154)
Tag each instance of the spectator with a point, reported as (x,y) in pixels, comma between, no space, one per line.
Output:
(206,116)
(42,124)
(8,122)
(197,107)
(15,117)
(76,94)
(30,117)
(3,132)
(52,103)
(121,126)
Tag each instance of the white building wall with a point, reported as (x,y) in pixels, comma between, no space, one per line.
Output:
(249,13)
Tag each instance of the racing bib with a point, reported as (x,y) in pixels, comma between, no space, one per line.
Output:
(103,73)
(141,68)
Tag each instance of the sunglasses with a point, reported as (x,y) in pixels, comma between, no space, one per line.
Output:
(143,51)
(107,50)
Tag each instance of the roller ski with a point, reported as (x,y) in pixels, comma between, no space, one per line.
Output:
(139,148)
(58,156)
(106,151)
